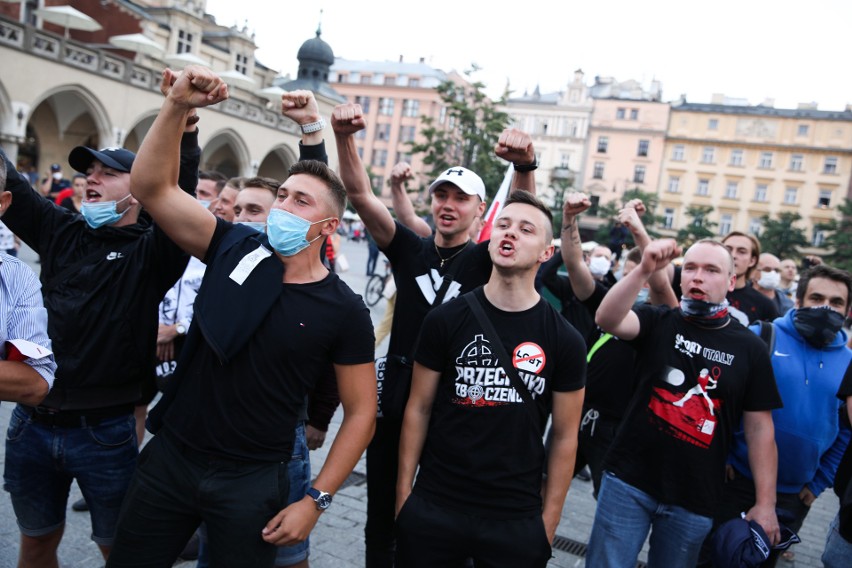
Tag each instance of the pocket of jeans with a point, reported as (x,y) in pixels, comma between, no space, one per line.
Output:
(114,435)
(17,426)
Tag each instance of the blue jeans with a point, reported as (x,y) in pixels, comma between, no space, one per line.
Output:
(622,521)
(42,461)
(299,473)
(838,550)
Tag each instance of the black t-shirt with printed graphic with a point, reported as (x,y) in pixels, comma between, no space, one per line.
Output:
(482,453)
(694,384)
(418,276)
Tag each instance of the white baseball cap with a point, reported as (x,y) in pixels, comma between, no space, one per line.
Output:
(464,179)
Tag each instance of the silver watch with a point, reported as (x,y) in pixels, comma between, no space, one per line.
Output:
(313,126)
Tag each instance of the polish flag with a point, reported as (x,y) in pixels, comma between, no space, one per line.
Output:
(496,206)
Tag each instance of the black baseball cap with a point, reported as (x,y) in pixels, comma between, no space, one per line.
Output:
(55,168)
(119,159)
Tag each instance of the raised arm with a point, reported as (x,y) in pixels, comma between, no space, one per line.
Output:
(659,282)
(582,282)
(346,120)
(516,146)
(154,177)
(614,314)
(402,205)
(301,107)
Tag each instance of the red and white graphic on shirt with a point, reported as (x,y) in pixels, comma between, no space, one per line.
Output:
(690,415)
(481,381)
(529,357)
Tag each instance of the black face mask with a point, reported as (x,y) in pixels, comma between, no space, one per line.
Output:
(819,326)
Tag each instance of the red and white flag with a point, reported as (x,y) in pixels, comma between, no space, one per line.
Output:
(496,206)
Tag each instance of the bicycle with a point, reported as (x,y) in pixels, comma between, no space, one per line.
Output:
(376,286)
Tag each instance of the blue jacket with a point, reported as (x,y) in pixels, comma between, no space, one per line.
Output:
(810,439)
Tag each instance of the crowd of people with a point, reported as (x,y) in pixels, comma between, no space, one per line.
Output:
(707,388)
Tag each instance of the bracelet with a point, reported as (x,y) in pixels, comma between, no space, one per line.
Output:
(526,167)
(313,126)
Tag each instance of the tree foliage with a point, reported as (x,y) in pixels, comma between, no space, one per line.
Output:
(839,238)
(781,237)
(467,135)
(609,212)
(699,226)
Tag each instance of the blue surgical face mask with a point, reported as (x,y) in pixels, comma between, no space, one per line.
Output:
(205,203)
(258,226)
(642,297)
(288,232)
(100,213)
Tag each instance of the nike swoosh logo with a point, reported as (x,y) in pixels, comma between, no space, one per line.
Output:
(779,354)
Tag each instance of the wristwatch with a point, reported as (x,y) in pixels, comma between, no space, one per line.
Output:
(313,126)
(180,328)
(321,498)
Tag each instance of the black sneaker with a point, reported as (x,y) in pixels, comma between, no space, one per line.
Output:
(80,505)
(584,474)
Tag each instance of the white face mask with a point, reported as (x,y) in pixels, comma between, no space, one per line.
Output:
(57,176)
(769,280)
(599,265)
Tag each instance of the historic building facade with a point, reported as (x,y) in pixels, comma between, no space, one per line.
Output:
(750,161)
(558,124)
(60,89)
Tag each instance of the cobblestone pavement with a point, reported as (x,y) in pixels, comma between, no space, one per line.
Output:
(338,539)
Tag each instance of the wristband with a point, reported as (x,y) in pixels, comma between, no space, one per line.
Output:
(526,167)
(313,126)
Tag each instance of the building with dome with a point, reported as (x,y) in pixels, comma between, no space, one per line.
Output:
(63,88)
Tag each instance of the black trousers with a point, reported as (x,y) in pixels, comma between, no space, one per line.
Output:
(429,535)
(382,465)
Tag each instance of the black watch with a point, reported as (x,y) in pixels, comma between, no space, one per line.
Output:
(321,498)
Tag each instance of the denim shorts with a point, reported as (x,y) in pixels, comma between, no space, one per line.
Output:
(299,472)
(42,461)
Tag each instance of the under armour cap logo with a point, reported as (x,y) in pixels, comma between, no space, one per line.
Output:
(110,149)
(452,171)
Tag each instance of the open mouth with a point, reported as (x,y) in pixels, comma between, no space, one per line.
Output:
(92,194)
(506,247)
(697,294)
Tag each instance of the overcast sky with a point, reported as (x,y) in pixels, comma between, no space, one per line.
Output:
(788,50)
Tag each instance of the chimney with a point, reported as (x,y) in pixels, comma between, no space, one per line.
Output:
(400,58)
(422,60)
(717,98)
(807,106)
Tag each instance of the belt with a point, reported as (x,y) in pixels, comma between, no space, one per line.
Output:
(74,418)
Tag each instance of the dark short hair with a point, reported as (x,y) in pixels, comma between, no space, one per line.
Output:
(237,182)
(219,178)
(755,248)
(332,180)
(823,271)
(261,183)
(2,174)
(78,176)
(634,255)
(526,198)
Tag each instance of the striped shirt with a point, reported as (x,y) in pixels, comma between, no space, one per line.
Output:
(22,313)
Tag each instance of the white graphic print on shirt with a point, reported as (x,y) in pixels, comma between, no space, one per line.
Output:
(684,408)
(481,381)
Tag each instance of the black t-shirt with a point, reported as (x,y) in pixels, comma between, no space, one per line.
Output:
(418,276)
(844,471)
(753,304)
(672,444)
(482,454)
(247,408)
(611,376)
